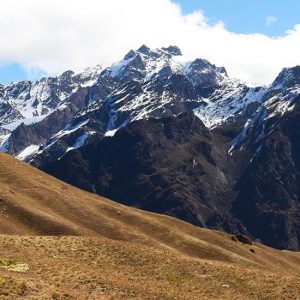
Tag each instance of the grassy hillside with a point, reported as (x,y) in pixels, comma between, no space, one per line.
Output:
(59,242)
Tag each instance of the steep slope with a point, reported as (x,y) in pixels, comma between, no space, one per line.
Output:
(167,165)
(25,104)
(34,203)
(30,102)
(269,186)
(129,253)
(178,167)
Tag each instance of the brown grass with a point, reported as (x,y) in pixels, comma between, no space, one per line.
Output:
(81,246)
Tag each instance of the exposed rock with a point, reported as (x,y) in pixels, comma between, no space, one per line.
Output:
(165,165)
(243,239)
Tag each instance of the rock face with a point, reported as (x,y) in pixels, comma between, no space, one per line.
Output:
(268,190)
(163,165)
(243,239)
(177,138)
(176,166)
(268,198)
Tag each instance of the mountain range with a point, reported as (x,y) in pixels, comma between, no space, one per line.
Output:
(169,136)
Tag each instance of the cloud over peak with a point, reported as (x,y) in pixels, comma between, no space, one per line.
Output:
(72,34)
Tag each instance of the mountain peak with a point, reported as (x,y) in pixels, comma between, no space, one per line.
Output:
(130,55)
(202,64)
(287,78)
(144,50)
(173,50)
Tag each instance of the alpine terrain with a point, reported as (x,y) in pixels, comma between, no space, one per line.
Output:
(169,136)
(59,242)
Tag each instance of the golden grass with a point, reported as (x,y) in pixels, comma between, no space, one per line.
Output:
(98,268)
(70,244)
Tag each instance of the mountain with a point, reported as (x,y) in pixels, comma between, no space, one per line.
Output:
(167,165)
(237,176)
(174,137)
(65,243)
(48,104)
(270,141)
(54,115)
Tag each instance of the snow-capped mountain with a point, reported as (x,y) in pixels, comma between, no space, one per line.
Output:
(241,174)
(31,101)
(145,83)
(278,101)
(54,115)
(50,100)
(129,119)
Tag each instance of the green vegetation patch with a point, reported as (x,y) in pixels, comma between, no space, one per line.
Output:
(14,266)
(172,278)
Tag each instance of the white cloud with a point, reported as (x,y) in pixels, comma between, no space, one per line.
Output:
(271,20)
(61,34)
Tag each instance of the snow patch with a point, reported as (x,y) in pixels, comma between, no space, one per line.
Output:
(80,141)
(111,132)
(28,151)
(13,125)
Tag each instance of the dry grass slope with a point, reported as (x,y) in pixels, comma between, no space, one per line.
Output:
(59,242)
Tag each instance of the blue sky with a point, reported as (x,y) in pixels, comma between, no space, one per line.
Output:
(249,16)
(54,36)
(12,72)
(15,72)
